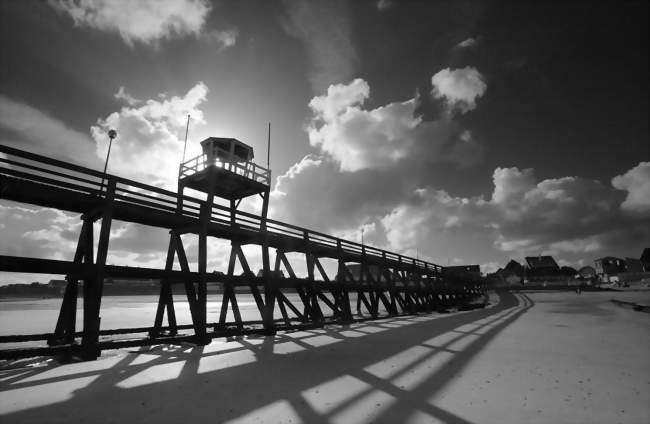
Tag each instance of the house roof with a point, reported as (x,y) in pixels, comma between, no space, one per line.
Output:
(541,262)
(512,265)
(645,256)
(609,258)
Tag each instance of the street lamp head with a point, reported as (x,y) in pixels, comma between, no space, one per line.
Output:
(112,134)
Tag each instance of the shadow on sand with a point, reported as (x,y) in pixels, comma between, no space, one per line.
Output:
(381,371)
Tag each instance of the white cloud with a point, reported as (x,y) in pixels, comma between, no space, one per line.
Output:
(37,232)
(224,38)
(339,98)
(384,5)
(41,133)
(510,184)
(325,30)
(636,182)
(460,88)
(469,42)
(149,145)
(551,210)
(123,95)
(571,217)
(144,21)
(383,137)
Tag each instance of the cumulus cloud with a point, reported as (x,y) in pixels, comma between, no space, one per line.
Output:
(459,88)
(568,215)
(315,194)
(468,42)
(144,21)
(551,210)
(636,182)
(386,136)
(149,145)
(39,132)
(324,28)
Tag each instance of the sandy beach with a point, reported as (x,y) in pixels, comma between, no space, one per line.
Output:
(527,358)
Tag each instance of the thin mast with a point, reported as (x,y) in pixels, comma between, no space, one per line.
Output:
(187,129)
(268,148)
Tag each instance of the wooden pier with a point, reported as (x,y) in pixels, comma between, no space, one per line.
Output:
(385,283)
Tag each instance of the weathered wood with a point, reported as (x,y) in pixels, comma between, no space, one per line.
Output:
(165,299)
(93,290)
(402,284)
(66,323)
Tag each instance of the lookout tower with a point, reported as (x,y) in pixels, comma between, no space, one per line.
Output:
(224,169)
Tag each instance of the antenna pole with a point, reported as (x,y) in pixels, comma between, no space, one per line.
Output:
(268,148)
(187,129)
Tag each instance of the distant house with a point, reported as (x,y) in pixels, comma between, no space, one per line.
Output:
(58,284)
(272,273)
(512,274)
(608,267)
(633,265)
(587,272)
(543,269)
(569,271)
(355,270)
(645,259)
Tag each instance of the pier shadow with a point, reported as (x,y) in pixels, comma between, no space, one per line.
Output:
(379,371)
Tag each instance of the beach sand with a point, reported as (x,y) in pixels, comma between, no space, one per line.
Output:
(527,358)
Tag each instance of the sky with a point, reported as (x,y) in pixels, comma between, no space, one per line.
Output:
(459,132)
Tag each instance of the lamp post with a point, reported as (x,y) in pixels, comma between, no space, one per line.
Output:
(111,135)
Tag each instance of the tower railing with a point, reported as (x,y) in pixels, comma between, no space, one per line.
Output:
(228,162)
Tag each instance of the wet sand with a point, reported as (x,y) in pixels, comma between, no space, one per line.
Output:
(529,358)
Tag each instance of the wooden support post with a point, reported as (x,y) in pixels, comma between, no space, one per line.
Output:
(283,309)
(341,278)
(373,290)
(165,300)
(93,286)
(280,258)
(202,292)
(336,309)
(229,294)
(190,291)
(66,322)
(312,290)
(269,289)
(307,312)
(408,306)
